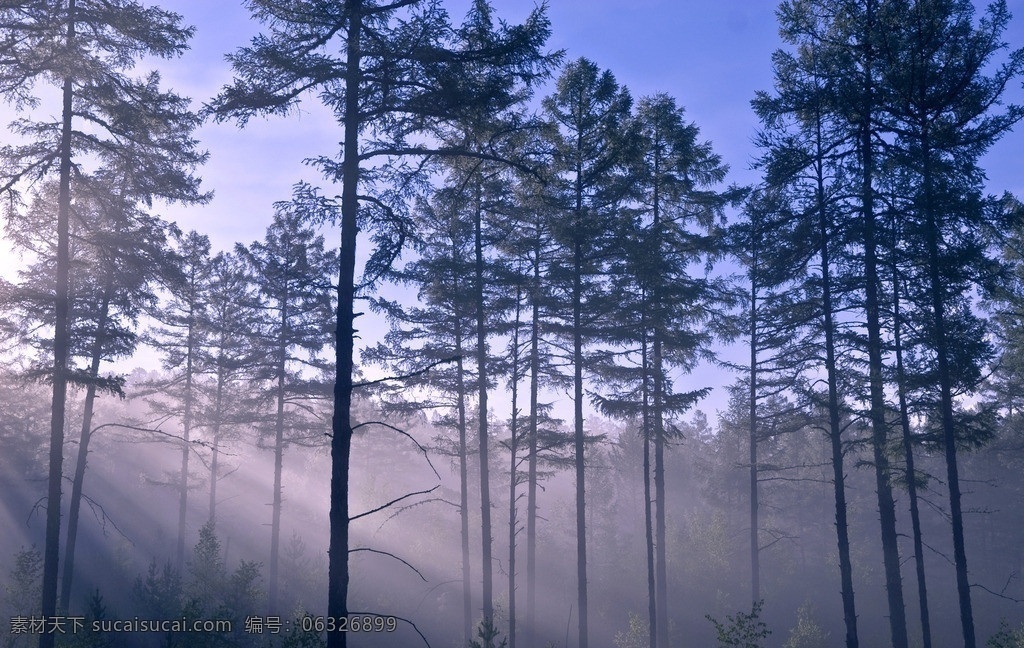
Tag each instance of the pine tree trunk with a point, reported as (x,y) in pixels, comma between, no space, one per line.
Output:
(467,590)
(658,374)
(963,586)
(531,479)
(275,522)
(481,363)
(578,437)
(341,423)
(61,345)
(755,547)
(215,451)
(835,430)
(661,562)
(83,451)
(908,453)
(513,448)
(652,593)
(186,423)
(879,426)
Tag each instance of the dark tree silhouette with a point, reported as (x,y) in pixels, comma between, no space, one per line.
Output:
(588,112)
(390,71)
(941,102)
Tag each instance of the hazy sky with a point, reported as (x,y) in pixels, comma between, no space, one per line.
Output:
(711,55)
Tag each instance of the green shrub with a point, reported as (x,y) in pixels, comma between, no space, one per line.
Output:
(1007,637)
(743,630)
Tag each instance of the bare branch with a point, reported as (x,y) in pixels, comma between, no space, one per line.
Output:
(393,502)
(377,614)
(103,518)
(1000,594)
(406,376)
(405,434)
(386,553)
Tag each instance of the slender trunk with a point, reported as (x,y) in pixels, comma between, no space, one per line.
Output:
(531,480)
(481,363)
(467,590)
(83,450)
(61,344)
(578,446)
(186,423)
(513,448)
(217,422)
(658,375)
(835,430)
(879,441)
(755,547)
(652,595)
(661,561)
(879,426)
(908,453)
(963,586)
(275,522)
(341,424)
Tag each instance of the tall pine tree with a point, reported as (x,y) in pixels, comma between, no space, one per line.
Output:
(87,49)
(389,71)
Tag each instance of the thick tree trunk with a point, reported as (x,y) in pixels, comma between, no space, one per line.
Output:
(51,552)
(879,441)
(83,451)
(341,424)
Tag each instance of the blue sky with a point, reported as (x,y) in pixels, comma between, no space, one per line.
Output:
(712,56)
(712,59)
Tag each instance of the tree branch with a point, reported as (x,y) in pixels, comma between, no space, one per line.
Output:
(376,614)
(392,502)
(386,553)
(418,372)
(405,434)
